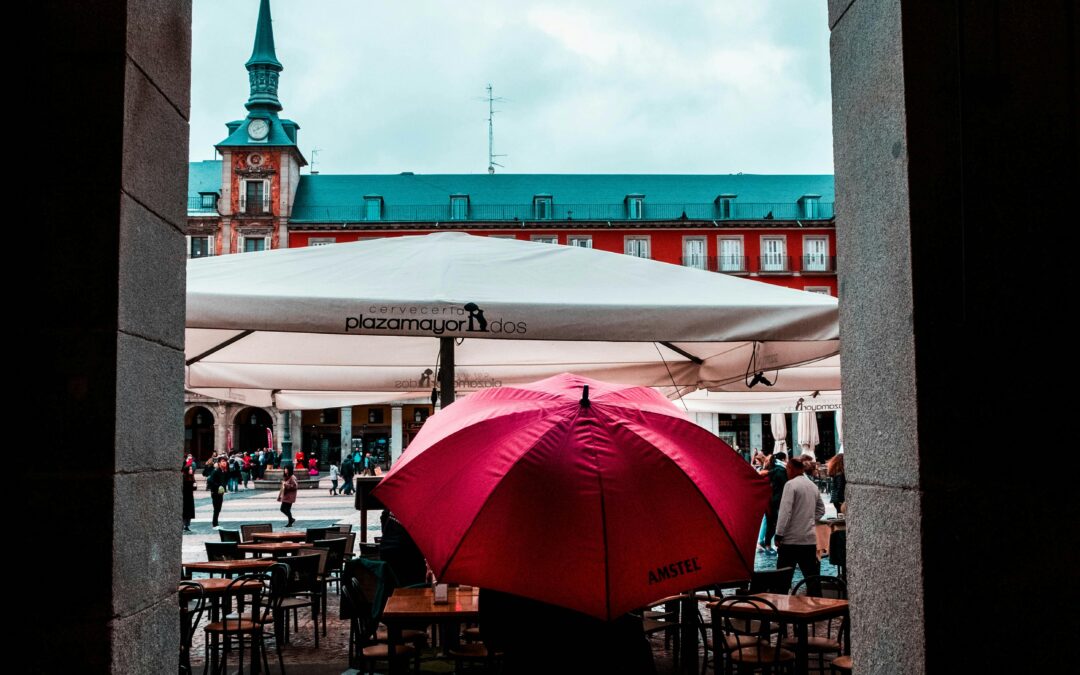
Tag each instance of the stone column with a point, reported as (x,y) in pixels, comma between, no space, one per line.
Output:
(108,350)
(757,439)
(955,132)
(397,433)
(221,424)
(346,430)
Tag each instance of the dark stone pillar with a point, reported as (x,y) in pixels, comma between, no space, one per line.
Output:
(108,151)
(955,131)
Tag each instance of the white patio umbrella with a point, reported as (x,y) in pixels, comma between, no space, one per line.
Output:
(778,424)
(751,402)
(809,435)
(356,318)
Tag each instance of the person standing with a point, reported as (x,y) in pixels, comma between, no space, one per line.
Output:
(216,483)
(189,495)
(838,486)
(333,479)
(347,470)
(800,509)
(245,469)
(287,496)
(778,477)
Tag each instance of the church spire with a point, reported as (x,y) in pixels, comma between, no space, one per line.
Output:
(263,66)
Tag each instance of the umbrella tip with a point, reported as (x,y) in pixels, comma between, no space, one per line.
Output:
(585,397)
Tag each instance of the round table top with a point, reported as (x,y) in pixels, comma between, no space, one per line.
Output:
(211,586)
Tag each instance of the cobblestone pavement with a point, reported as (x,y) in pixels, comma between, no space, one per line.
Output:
(317,508)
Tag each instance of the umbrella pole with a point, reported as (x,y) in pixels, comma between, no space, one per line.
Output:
(446,370)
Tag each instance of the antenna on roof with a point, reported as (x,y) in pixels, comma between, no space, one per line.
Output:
(314,153)
(491,130)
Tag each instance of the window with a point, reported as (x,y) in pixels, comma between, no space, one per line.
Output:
(542,207)
(321,241)
(255,197)
(459,207)
(815,254)
(546,238)
(773,254)
(580,240)
(502,236)
(731,255)
(637,247)
(725,207)
(254,244)
(373,207)
(824,290)
(811,206)
(208,200)
(200,247)
(635,207)
(694,253)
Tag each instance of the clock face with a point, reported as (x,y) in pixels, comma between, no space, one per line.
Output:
(258,129)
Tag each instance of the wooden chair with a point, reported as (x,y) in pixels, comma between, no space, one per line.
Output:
(771,581)
(314,534)
(663,616)
(345,528)
(240,627)
(247,530)
(364,650)
(229,535)
(841,664)
(746,645)
(825,637)
(335,549)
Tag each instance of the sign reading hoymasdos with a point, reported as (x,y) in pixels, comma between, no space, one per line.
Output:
(435,320)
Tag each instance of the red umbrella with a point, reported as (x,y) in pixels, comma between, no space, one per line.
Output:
(588,495)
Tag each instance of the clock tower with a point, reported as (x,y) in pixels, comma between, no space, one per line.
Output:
(261,160)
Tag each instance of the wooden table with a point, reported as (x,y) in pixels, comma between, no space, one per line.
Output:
(798,610)
(228,567)
(279,536)
(418,604)
(274,548)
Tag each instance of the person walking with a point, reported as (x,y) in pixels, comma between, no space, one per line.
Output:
(333,479)
(347,470)
(245,469)
(287,495)
(800,509)
(216,483)
(189,487)
(838,484)
(778,477)
(234,474)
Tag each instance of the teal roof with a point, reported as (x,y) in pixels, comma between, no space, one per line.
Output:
(204,176)
(282,133)
(263,52)
(581,196)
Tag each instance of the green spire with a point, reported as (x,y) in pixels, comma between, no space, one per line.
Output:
(263,66)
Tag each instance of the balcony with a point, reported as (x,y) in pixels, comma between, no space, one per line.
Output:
(818,264)
(726,264)
(560,212)
(201,206)
(774,264)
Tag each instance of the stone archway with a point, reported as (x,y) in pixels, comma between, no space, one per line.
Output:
(249,427)
(199,432)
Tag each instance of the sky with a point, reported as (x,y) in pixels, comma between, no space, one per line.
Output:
(628,86)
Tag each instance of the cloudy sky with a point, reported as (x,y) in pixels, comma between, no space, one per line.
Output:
(626,86)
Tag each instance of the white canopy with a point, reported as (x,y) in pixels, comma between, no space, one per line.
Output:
(360,317)
(750,402)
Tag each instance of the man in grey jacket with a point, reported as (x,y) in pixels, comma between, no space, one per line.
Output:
(800,509)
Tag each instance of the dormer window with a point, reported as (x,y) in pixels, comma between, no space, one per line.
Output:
(373,207)
(542,207)
(725,207)
(208,200)
(459,207)
(635,207)
(810,206)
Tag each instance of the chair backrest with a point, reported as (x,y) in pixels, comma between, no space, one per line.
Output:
(191,611)
(223,550)
(772,581)
(756,630)
(821,587)
(314,534)
(324,556)
(335,549)
(350,544)
(303,573)
(838,548)
(346,528)
(277,587)
(369,550)
(229,535)
(247,530)
(252,598)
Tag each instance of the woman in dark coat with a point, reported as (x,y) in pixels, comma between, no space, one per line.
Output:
(189,496)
